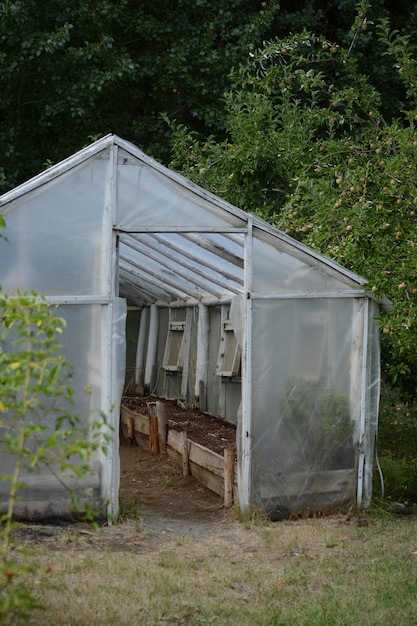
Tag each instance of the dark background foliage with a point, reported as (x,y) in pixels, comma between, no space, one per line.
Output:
(73,71)
(303,111)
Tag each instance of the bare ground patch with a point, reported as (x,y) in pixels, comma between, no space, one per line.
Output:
(158,505)
(161,508)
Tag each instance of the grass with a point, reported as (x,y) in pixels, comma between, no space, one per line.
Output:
(323,572)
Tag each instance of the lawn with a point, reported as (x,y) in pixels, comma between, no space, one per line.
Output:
(336,570)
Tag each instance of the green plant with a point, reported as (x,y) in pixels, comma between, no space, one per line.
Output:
(37,429)
(397,450)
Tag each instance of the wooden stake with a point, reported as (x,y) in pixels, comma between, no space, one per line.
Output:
(153,428)
(130,423)
(162,426)
(228,477)
(202,396)
(184,448)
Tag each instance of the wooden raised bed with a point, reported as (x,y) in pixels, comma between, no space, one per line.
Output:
(215,471)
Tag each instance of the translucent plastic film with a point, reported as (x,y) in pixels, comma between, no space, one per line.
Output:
(44,496)
(148,198)
(373,385)
(55,240)
(288,273)
(307,398)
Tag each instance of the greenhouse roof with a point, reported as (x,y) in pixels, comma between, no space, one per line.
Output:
(176,241)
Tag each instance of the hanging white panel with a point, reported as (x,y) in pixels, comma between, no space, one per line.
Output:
(305,430)
(145,197)
(55,234)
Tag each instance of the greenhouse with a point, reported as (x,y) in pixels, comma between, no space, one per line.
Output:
(221,311)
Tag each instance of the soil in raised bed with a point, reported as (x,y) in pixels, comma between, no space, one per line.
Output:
(210,431)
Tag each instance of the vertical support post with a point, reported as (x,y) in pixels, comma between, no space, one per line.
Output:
(187,347)
(153,428)
(246,427)
(162,426)
(224,315)
(140,351)
(228,477)
(362,427)
(130,423)
(202,356)
(151,352)
(111,405)
(184,450)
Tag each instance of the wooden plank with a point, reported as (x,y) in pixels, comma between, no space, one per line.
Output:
(130,423)
(174,440)
(141,346)
(206,466)
(140,421)
(202,395)
(186,355)
(208,479)
(228,477)
(202,356)
(185,453)
(151,349)
(142,424)
(206,458)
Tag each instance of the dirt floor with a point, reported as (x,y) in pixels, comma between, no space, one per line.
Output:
(158,507)
(154,487)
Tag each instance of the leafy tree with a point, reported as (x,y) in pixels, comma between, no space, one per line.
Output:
(72,71)
(309,149)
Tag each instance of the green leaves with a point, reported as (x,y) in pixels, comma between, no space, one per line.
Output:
(69,71)
(309,148)
(37,429)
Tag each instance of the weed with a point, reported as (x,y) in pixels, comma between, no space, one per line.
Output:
(128,509)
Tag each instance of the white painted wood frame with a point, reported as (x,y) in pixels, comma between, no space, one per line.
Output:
(141,346)
(150,364)
(244,481)
(364,381)
(202,354)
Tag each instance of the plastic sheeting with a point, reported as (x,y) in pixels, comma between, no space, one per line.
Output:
(147,197)
(51,239)
(56,244)
(288,273)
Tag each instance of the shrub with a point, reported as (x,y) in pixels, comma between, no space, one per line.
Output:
(37,427)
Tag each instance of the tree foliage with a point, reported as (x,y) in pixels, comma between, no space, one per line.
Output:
(72,71)
(310,149)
